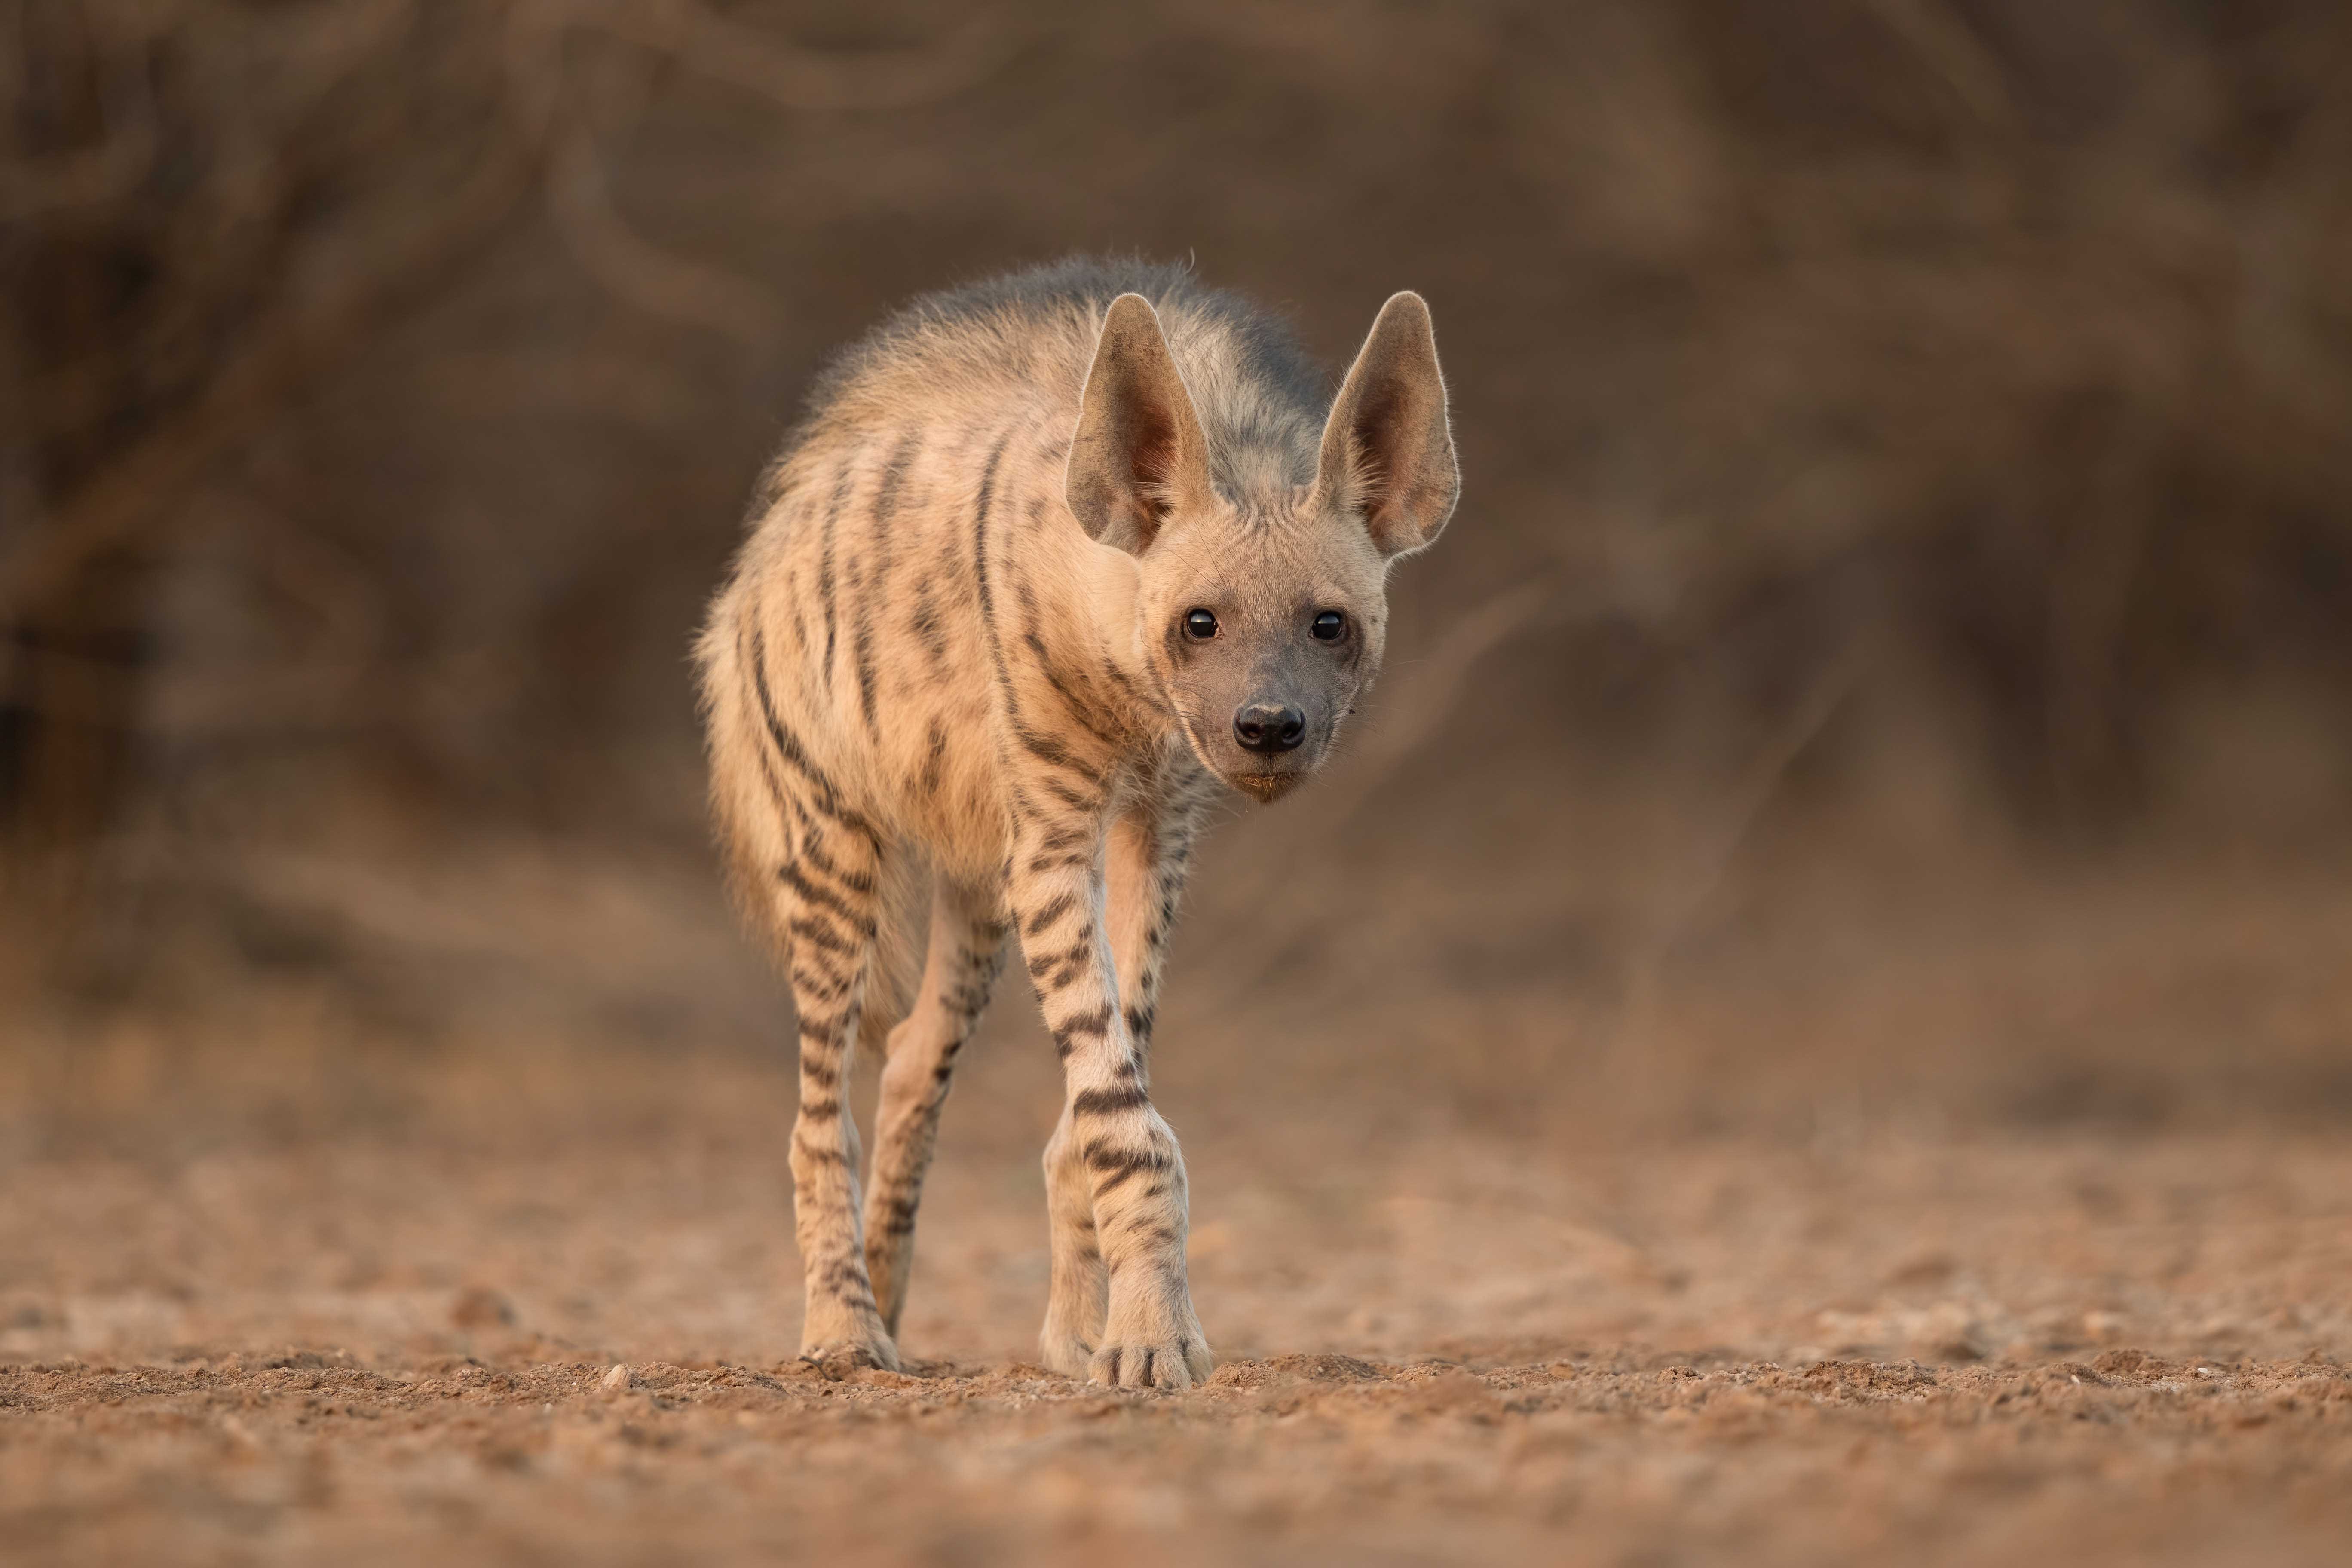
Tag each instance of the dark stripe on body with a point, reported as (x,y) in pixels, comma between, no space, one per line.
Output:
(787,746)
(825,564)
(863,646)
(886,503)
(1047,750)
(935,759)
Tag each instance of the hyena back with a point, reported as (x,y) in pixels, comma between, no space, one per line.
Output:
(1054,563)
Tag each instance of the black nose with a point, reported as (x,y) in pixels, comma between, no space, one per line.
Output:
(1269,728)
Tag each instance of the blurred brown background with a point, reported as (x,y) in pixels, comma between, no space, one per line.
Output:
(1891,665)
(1812,1022)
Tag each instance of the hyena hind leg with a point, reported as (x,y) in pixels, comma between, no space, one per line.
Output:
(826,903)
(966,954)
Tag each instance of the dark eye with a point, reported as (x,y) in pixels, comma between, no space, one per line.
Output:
(1200,625)
(1330,626)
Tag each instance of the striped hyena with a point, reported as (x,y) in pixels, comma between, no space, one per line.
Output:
(1052,563)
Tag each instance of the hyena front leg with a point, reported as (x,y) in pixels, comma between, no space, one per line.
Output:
(1079,1288)
(827,900)
(1146,860)
(1144,865)
(967,951)
(1112,1159)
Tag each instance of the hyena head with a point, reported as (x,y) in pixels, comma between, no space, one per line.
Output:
(1263,607)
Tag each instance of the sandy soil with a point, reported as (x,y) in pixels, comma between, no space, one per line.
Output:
(552,1320)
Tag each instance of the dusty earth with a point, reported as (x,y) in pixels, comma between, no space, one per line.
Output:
(549,1315)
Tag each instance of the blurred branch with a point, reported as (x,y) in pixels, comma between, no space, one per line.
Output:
(642,274)
(1742,809)
(40,187)
(625,388)
(1945,43)
(1429,698)
(224,206)
(280,351)
(699,293)
(794,78)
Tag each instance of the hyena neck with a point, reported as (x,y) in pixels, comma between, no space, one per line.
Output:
(1128,700)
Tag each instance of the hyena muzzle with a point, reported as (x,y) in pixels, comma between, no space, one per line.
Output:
(1052,563)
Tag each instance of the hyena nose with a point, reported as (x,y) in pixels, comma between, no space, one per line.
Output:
(1269,728)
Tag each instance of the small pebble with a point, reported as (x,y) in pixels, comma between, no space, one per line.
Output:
(618,1378)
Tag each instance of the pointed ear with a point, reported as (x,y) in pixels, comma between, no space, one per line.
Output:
(1138,453)
(1388,450)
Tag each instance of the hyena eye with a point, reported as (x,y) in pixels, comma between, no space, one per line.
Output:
(1329,626)
(1200,625)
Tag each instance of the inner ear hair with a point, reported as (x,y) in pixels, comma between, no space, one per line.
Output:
(1152,459)
(1138,453)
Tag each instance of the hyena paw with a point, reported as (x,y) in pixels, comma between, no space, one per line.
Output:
(1175,1361)
(839,1357)
(1065,1351)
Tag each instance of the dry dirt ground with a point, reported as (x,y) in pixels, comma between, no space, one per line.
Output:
(548,1315)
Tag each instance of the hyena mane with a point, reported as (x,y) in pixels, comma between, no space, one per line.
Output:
(1052,563)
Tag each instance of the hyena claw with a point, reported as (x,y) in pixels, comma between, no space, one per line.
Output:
(1173,1365)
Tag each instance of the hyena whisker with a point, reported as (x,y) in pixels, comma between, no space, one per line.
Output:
(1093,551)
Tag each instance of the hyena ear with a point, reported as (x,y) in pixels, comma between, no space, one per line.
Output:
(1138,453)
(1388,450)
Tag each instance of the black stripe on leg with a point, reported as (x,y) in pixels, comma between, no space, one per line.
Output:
(1045,914)
(1086,1025)
(1105,1159)
(1154,1234)
(1069,837)
(795,878)
(815,985)
(855,882)
(819,934)
(1043,964)
(845,1277)
(819,1031)
(1113,1167)
(1104,1101)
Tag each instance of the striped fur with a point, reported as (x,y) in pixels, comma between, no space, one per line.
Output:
(963,635)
